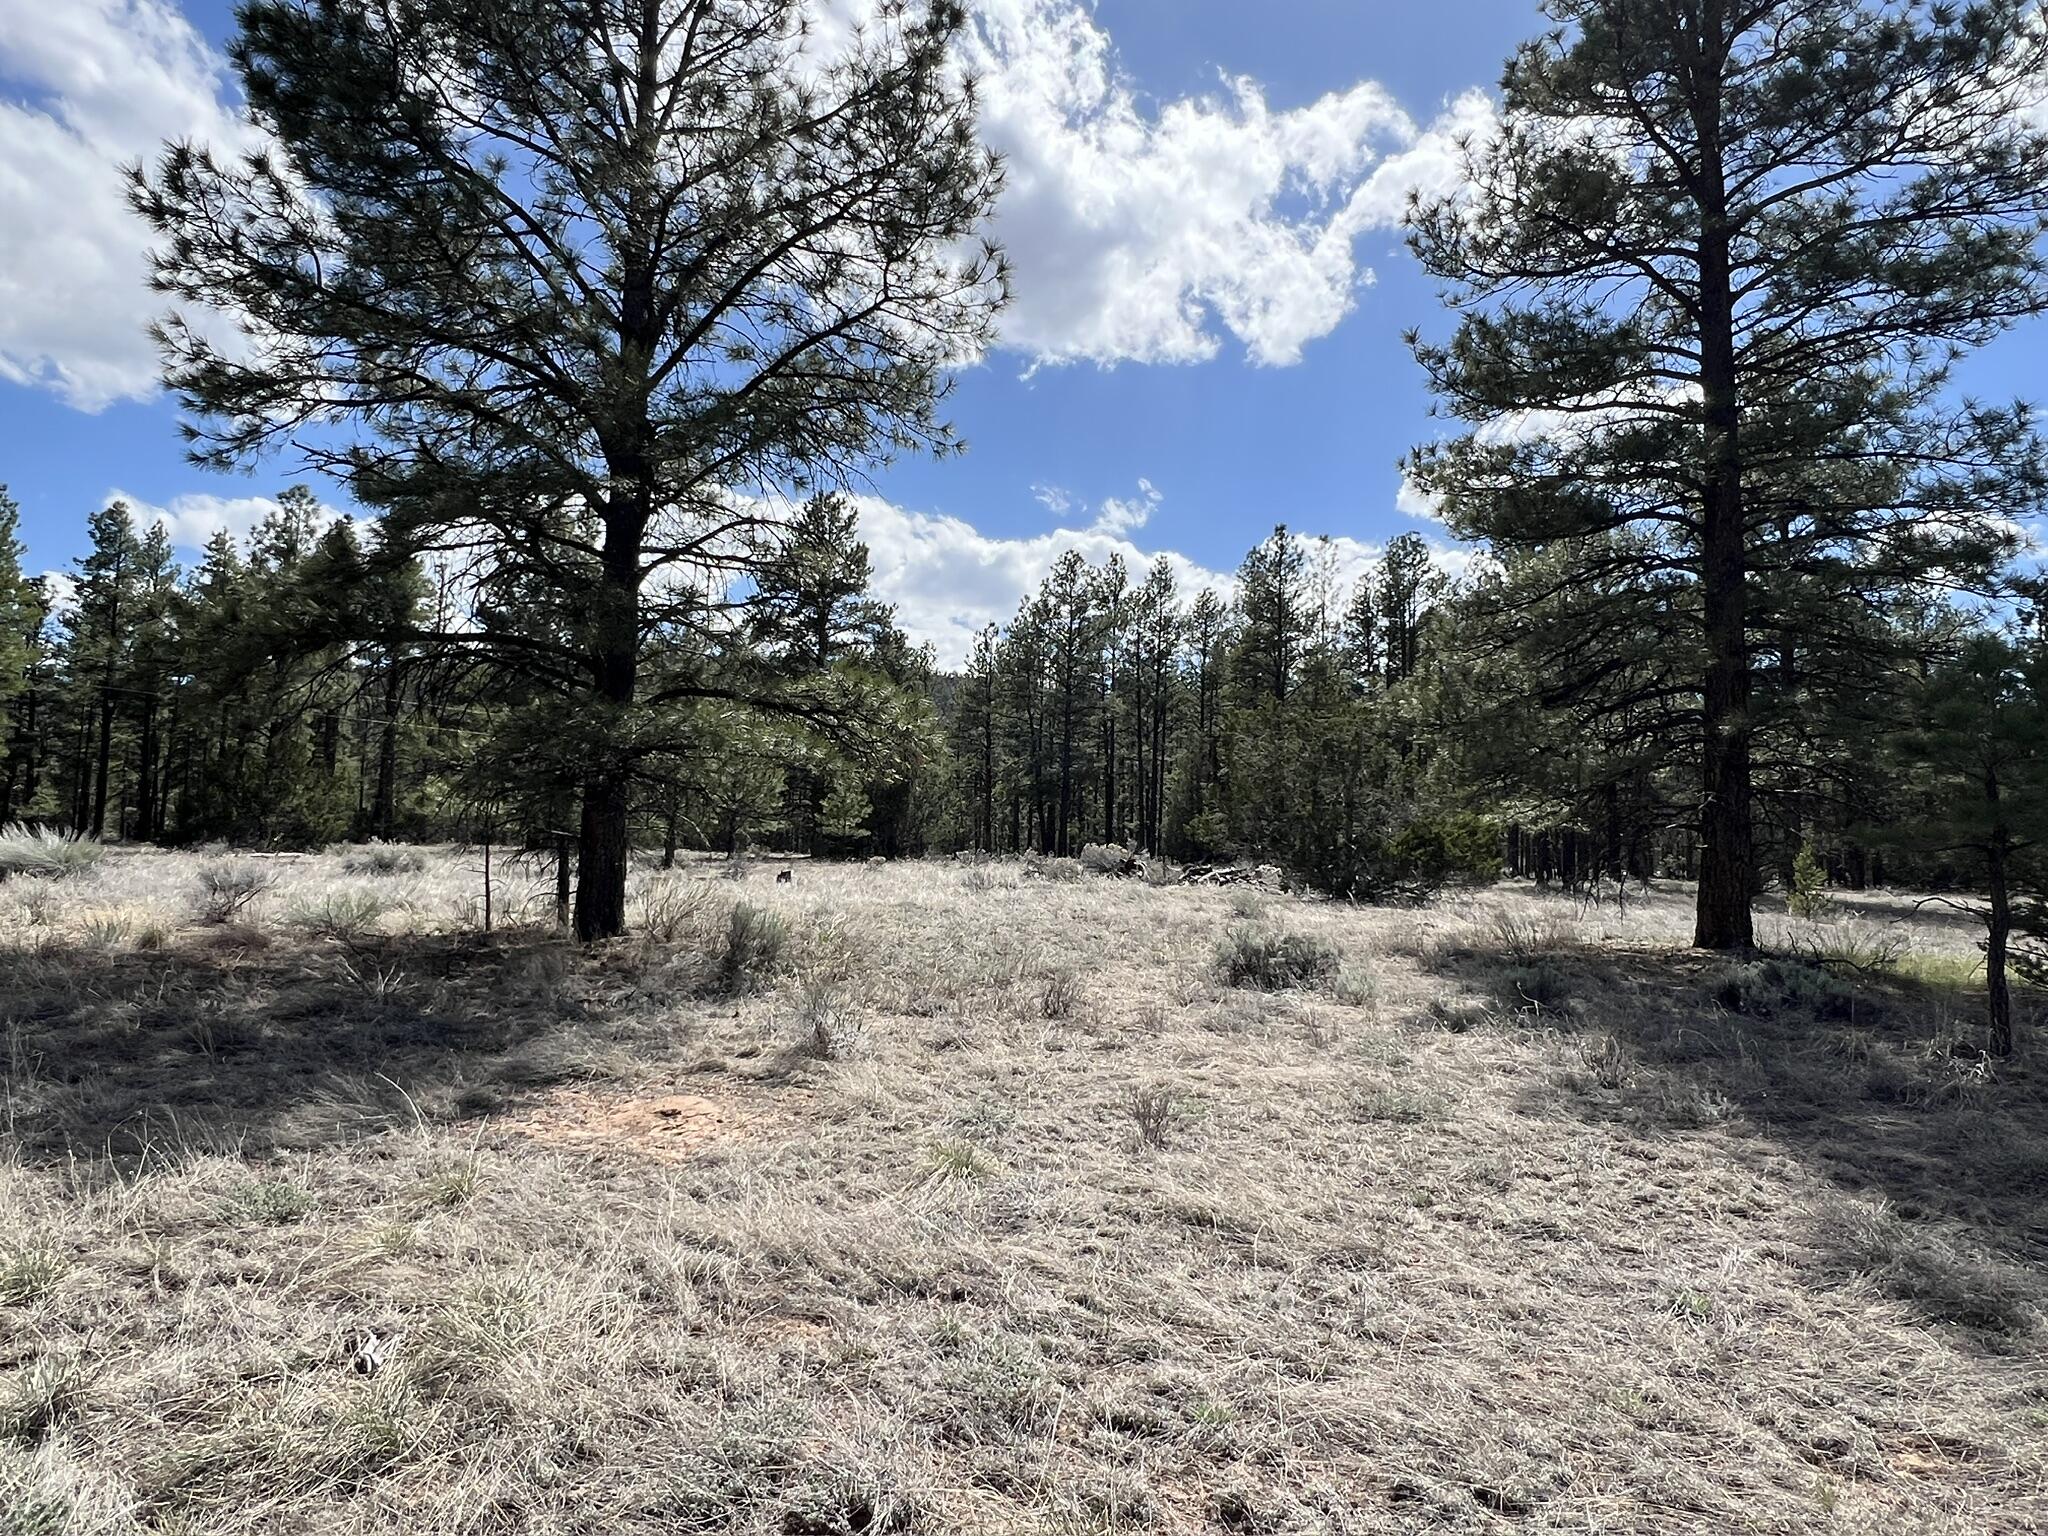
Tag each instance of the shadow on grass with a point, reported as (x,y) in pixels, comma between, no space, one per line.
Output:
(1871,1081)
(226,1041)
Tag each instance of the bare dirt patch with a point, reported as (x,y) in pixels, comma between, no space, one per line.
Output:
(667,1127)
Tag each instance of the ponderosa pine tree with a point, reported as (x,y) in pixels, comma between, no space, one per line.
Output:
(1977,748)
(1711,271)
(563,286)
(975,724)
(97,641)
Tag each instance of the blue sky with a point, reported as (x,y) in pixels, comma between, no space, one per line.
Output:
(1212,348)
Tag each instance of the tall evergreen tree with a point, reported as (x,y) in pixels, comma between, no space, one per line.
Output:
(98,644)
(21,638)
(581,278)
(1711,272)
(1978,747)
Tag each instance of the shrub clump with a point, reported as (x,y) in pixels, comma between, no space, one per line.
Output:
(45,852)
(1039,867)
(1272,961)
(226,886)
(1109,859)
(344,915)
(1764,989)
(377,857)
(755,939)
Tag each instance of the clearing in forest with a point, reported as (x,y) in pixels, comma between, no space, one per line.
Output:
(952,1197)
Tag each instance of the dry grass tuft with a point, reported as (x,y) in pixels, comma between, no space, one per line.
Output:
(46,852)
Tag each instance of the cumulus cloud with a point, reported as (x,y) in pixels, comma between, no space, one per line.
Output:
(1137,232)
(194,518)
(61,588)
(86,85)
(1140,232)
(948,580)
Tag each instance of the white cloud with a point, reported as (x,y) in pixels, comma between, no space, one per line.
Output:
(1055,499)
(1136,232)
(1139,231)
(61,587)
(1118,515)
(90,84)
(194,518)
(1411,500)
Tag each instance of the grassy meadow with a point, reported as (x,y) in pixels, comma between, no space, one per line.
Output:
(949,1197)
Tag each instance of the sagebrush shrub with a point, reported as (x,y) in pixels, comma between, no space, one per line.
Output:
(1273,961)
(381,858)
(829,1020)
(1039,867)
(226,886)
(45,852)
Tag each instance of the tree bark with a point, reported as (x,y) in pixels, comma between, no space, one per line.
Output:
(1722,918)
(384,804)
(104,761)
(1997,987)
(603,835)
(148,815)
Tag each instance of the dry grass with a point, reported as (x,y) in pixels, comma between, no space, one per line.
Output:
(984,1203)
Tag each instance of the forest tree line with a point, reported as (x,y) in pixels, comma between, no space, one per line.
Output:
(1373,737)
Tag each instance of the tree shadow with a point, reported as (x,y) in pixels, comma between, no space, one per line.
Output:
(1870,1081)
(227,1041)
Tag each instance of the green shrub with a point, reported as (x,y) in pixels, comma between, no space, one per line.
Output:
(45,852)
(755,939)
(1273,961)
(1458,849)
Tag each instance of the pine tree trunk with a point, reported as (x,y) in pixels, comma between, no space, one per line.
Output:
(1722,916)
(147,814)
(103,763)
(384,806)
(603,837)
(1998,988)
(601,858)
